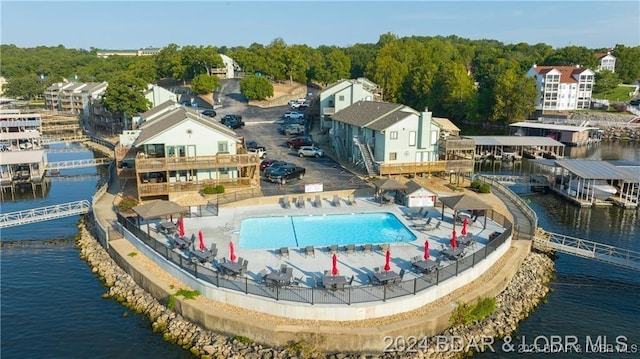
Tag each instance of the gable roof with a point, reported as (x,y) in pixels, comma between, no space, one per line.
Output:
(566,72)
(464,202)
(600,55)
(374,115)
(172,118)
(157,209)
(388,184)
(445,124)
(413,186)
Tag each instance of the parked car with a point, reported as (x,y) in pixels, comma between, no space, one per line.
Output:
(297,142)
(209,113)
(293,129)
(276,166)
(292,114)
(226,118)
(235,123)
(310,151)
(260,151)
(266,163)
(186,103)
(284,174)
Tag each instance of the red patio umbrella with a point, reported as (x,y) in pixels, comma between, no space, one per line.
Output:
(180,227)
(426,250)
(201,239)
(232,254)
(387,264)
(334,269)
(465,222)
(454,242)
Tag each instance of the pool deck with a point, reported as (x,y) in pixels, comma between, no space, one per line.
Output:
(225,227)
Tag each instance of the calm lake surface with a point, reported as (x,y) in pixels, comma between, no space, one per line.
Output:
(52,305)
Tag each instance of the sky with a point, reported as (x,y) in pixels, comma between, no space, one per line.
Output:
(134,25)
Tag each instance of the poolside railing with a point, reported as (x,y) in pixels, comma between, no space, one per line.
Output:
(306,293)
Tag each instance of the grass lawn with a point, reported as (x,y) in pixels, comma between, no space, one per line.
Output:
(619,94)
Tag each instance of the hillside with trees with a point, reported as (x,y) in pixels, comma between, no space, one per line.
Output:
(462,79)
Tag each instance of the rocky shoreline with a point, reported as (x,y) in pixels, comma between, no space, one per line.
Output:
(522,295)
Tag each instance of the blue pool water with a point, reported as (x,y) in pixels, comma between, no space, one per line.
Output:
(322,230)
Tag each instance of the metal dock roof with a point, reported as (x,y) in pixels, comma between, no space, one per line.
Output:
(514,141)
(549,126)
(595,169)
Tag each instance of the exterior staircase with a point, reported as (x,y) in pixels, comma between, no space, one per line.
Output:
(367,157)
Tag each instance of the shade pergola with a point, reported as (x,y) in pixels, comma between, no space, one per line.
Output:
(388,184)
(157,209)
(461,203)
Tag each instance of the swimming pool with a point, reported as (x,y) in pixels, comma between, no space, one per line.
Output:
(322,230)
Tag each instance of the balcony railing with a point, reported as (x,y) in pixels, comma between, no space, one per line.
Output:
(425,167)
(164,188)
(199,162)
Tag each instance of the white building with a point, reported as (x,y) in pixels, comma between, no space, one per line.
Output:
(562,88)
(343,94)
(158,95)
(606,61)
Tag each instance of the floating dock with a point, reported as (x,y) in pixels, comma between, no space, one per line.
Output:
(566,134)
(513,148)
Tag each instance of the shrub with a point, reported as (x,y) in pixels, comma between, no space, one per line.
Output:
(127,203)
(213,190)
(484,188)
(465,314)
(475,184)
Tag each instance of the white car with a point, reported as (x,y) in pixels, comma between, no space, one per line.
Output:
(292,114)
(310,151)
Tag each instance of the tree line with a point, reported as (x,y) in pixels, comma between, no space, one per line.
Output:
(462,79)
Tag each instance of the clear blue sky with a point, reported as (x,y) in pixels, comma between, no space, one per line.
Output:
(131,25)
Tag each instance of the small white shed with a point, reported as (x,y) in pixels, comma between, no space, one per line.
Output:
(417,196)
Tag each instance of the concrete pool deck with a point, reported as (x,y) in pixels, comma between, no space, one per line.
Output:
(225,227)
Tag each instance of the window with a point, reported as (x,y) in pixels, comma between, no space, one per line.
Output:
(341,98)
(223,146)
(393,156)
(393,135)
(412,138)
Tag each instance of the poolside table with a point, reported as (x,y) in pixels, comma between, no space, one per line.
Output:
(168,227)
(334,282)
(279,278)
(465,240)
(385,278)
(426,266)
(181,242)
(232,268)
(453,253)
(203,256)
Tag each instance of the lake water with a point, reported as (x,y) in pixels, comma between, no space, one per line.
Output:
(52,305)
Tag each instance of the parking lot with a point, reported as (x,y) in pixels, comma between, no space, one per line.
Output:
(260,127)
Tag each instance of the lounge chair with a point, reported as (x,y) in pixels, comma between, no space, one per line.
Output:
(300,202)
(309,251)
(336,201)
(384,247)
(285,202)
(317,203)
(349,249)
(333,249)
(431,228)
(263,275)
(297,281)
(283,252)
(367,248)
(415,215)
(352,200)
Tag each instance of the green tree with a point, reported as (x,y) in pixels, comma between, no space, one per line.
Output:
(256,87)
(454,89)
(25,87)
(514,96)
(203,84)
(169,62)
(627,63)
(605,82)
(124,97)
(389,74)
(571,56)
(360,55)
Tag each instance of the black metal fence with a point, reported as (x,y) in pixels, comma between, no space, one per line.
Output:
(313,295)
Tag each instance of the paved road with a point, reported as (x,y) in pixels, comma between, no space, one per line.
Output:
(260,127)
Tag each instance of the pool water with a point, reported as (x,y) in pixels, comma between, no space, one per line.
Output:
(322,230)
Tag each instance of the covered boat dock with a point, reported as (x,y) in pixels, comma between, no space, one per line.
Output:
(513,148)
(566,134)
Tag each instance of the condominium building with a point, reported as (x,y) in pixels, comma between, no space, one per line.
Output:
(562,88)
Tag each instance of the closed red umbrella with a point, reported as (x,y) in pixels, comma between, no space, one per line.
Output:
(201,239)
(426,250)
(232,254)
(387,264)
(180,227)
(465,222)
(334,269)
(454,242)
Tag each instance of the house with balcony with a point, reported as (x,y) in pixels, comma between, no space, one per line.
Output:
(177,150)
(343,94)
(389,139)
(606,61)
(73,97)
(562,88)
(452,147)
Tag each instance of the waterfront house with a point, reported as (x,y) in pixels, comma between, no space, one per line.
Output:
(562,88)
(343,94)
(177,150)
(387,139)
(606,61)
